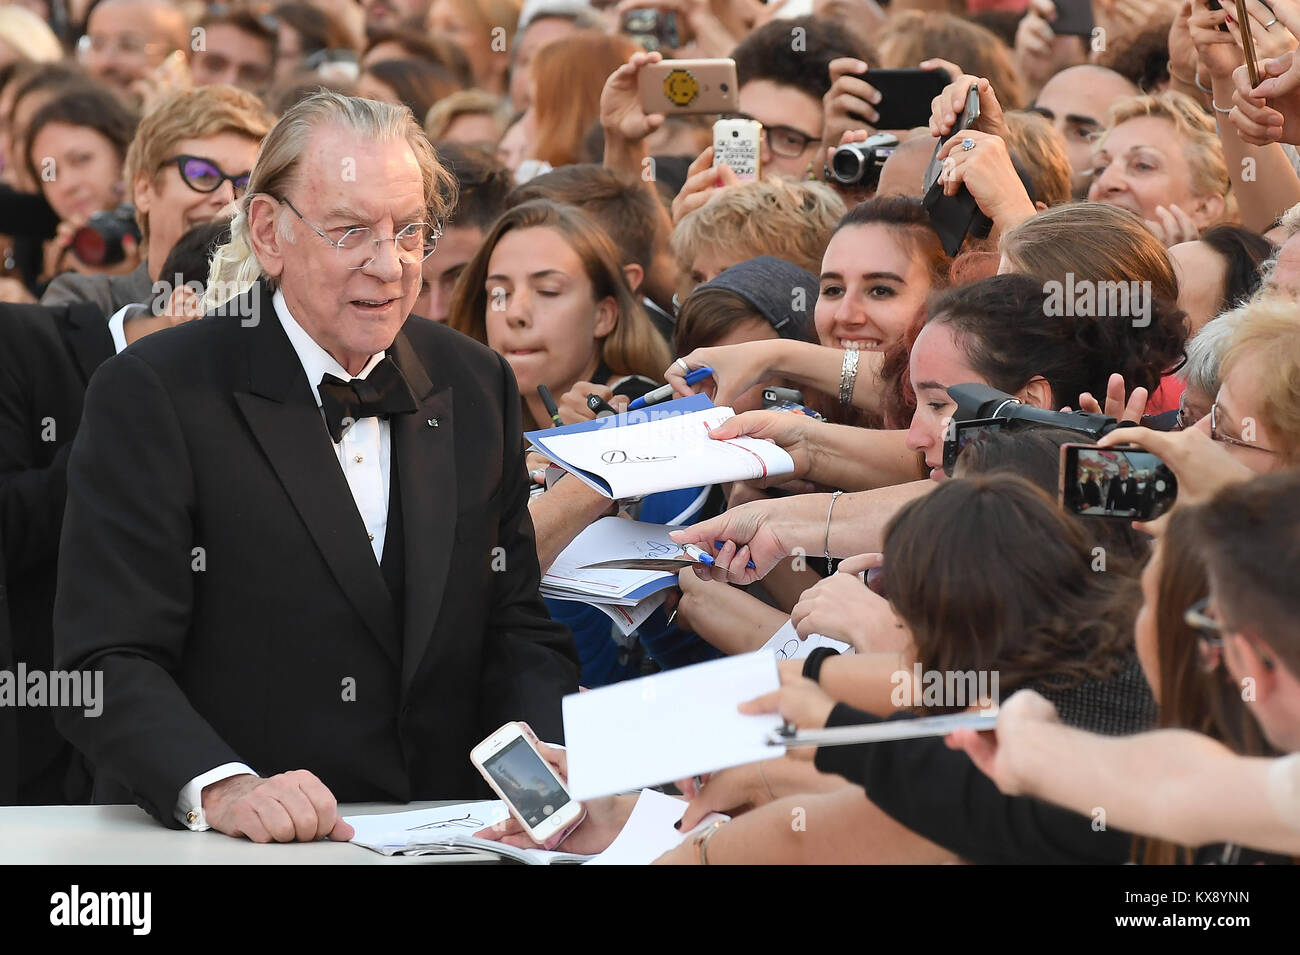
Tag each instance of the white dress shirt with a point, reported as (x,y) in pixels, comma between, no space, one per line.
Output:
(364,453)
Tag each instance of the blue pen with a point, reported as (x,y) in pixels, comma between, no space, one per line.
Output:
(695,553)
(693,377)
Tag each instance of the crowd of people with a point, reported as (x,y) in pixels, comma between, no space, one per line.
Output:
(284,284)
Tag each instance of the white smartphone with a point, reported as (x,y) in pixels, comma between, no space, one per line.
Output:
(518,774)
(736,142)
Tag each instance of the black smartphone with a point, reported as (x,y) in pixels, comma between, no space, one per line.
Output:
(789,400)
(1123,482)
(962,433)
(1073,18)
(905,96)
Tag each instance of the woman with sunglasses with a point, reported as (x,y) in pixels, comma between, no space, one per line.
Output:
(188,163)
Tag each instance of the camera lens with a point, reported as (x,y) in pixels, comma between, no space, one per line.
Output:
(723,87)
(735,133)
(847,165)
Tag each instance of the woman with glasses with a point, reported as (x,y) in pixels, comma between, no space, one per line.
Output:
(75,148)
(188,164)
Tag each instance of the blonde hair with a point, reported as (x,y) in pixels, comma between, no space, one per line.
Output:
(634,347)
(191,114)
(1041,151)
(790,220)
(30,37)
(1202,146)
(1268,328)
(465,103)
(235,266)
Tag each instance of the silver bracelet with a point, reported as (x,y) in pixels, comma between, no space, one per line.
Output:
(848,376)
(1218,108)
(1196,77)
(834,496)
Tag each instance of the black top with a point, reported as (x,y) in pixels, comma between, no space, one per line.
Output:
(940,794)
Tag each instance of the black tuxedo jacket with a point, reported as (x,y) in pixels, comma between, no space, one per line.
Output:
(47,355)
(215,567)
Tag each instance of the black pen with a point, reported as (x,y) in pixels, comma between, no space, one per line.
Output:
(600,406)
(549,402)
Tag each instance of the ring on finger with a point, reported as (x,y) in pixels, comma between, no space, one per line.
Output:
(968,144)
(681,363)
(1270,23)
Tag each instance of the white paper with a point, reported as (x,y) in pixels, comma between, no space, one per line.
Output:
(785,643)
(648,832)
(666,455)
(669,726)
(390,831)
(610,538)
(628,619)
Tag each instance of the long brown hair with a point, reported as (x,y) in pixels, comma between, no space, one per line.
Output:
(1190,698)
(634,347)
(989,575)
(570,74)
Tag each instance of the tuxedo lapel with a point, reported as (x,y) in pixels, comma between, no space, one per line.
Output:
(85,332)
(424,450)
(287,424)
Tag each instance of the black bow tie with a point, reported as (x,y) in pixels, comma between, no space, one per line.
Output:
(383,392)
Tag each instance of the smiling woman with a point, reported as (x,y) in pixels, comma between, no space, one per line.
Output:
(545,291)
(1160,152)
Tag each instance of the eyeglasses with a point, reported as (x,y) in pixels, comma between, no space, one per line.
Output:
(203,175)
(1187,418)
(356,248)
(132,44)
(1209,635)
(785,141)
(1217,435)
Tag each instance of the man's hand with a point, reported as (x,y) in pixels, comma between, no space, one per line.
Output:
(996,752)
(849,93)
(290,807)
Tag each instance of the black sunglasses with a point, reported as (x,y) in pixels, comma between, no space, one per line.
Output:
(203,175)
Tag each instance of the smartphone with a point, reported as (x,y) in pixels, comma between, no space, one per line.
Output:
(1247,43)
(789,400)
(653,29)
(532,792)
(1073,18)
(957,216)
(737,143)
(1123,482)
(962,433)
(681,87)
(905,96)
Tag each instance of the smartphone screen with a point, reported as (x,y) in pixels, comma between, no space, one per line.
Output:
(962,433)
(1115,482)
(526,782)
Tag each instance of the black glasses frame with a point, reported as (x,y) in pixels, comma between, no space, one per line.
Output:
(183,158)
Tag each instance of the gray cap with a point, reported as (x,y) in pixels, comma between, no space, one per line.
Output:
(776,288)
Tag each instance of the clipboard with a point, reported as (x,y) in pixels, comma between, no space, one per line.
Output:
(883,732)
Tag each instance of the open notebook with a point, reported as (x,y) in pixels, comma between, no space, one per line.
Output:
(662,448)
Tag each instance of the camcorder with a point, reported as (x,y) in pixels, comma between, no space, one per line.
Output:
(1121,482)
(859,164)
(99,241)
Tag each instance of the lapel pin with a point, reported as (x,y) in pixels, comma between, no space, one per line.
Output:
(432,422)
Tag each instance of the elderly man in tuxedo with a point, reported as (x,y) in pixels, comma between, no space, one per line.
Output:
(297,539)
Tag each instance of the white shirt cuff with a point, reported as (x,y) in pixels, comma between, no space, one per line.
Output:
(189,806)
